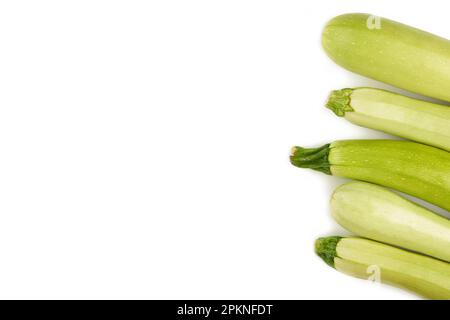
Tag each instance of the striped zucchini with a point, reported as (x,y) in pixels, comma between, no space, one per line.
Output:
(390,52)
(393,113)
(413,168)
(363,258)
(377,213)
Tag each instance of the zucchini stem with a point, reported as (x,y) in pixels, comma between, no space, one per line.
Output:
(312,158)
(326,249)
(339,101)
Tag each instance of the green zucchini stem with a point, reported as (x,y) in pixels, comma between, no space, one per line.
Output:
(339,101)
(313,158)
(326,249)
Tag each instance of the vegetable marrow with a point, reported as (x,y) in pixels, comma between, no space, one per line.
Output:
(366,259)
(376,213)
(393,113)
(390,52)
(419,170)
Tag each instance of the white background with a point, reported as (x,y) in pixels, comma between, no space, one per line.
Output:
(144,147)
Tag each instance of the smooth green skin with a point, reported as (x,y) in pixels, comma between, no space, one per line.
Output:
(395,114)
(423,275)
(419,170)
(376,213)
(395,53)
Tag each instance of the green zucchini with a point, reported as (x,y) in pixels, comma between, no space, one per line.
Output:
(419,170)
(377,213)
(393,113)
(360,258)
(390,52)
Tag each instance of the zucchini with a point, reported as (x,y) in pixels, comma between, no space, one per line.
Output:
(419,170)
(393,113)
(376,213)
(390,52)
(359,257)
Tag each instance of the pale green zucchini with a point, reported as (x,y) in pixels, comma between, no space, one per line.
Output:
(379,214)
(413,168)
(390,52)
(393,113)
(361,258)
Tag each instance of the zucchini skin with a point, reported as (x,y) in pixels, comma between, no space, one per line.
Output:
(377,213)
(419,170)
(426,276)
(394,53)
(395,114)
